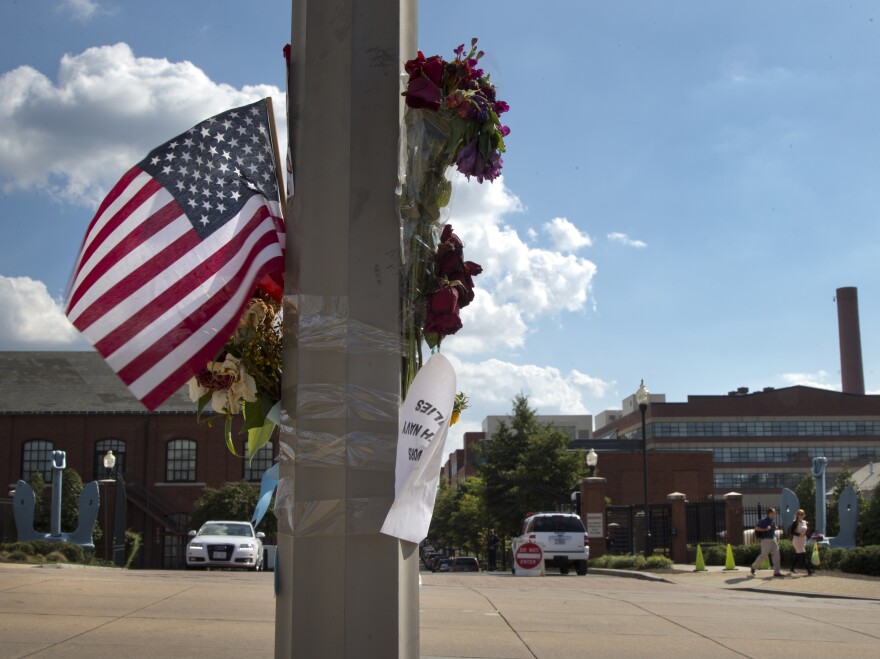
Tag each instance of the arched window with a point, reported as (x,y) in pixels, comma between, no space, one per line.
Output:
(101,448)
(36,455)
(180,461)
(253,471)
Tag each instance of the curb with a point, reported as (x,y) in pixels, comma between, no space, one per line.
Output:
(649,576)
(630,574)
(808,594)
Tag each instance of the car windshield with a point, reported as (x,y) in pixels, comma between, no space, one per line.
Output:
(558,524)
(238,530)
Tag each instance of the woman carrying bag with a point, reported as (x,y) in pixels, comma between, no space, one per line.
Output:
(797,533)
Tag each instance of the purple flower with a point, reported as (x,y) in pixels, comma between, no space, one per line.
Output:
(470,160)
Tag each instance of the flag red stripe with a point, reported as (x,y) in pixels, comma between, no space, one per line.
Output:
(148,357)
(95,241)
(137,238)
(187,283)
(114,193)
(173,337)
(197,362)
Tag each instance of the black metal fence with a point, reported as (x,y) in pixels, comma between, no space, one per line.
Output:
(705,522)
(626,528)
(753,514)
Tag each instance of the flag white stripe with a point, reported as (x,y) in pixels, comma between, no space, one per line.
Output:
(195,342)
(125,196)
(178,227)
(158,282)
(168,320)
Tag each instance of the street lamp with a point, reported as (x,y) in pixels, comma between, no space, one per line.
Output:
(109,463)
(642,399)
(592,459)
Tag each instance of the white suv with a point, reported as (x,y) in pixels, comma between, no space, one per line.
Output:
(562,538)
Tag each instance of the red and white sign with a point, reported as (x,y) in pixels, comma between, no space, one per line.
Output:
(529,558)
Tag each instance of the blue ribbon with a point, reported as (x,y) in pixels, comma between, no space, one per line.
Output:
(267,487)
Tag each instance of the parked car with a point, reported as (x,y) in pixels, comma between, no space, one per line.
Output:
(225,544)
(562,538)
(465,564)
(443,565)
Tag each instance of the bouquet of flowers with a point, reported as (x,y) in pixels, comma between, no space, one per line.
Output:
(245,378)
(452,119)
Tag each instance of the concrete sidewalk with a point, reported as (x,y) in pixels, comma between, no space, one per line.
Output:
(102,612)
(823,583)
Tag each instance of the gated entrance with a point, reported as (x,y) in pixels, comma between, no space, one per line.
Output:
(705,522)
(626,528)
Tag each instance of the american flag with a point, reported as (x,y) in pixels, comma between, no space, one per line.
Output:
(174,252)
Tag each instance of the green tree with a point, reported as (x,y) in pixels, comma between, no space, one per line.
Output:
(445,505)
(871,519)
(41,507)
(71,488)
(235,502)
(467,522)
(844,478)
(806,494)
(526,467)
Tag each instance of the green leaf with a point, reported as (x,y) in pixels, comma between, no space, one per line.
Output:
(259,437)
(228,434)
(433,339)
(253,414)
(203,401)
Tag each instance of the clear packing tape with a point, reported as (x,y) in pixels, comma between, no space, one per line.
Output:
(323,325)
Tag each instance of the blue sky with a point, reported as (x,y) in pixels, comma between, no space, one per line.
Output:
(685,187)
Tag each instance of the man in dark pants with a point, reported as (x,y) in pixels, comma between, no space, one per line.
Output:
(765,530)
(492,542)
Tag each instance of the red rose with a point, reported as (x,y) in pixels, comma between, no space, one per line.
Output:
(442,314)
(425,77)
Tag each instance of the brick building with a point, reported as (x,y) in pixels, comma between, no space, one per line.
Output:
(71,401)
(759,442)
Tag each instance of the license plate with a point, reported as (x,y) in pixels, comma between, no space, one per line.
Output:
(220,556)
(559,541)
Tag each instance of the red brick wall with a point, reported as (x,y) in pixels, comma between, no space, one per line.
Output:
(145,437)
(688,472)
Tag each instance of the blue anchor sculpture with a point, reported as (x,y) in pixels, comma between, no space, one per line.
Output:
(24,504)
(847,508)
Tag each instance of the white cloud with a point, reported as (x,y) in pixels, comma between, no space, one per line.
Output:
(565,236)
(81,10)
(624,239)
(488,325)
(538,282)
(492,384)
(74,138)
(31,320)
(816,380)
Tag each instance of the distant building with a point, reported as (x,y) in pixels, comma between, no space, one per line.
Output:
(760,442)
(72,401)
(575,426)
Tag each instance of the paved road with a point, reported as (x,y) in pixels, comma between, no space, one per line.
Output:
(78,612)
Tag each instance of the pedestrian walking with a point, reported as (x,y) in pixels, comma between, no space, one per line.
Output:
(492,542)
(797,533)
(765,530)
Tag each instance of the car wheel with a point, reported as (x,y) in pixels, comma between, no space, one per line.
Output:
(581,567)
(564,570)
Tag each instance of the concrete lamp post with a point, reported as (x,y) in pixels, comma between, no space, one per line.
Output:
(109,462)
(592,460)
(642,399)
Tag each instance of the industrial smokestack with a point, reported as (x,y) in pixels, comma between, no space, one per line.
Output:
(851,374)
